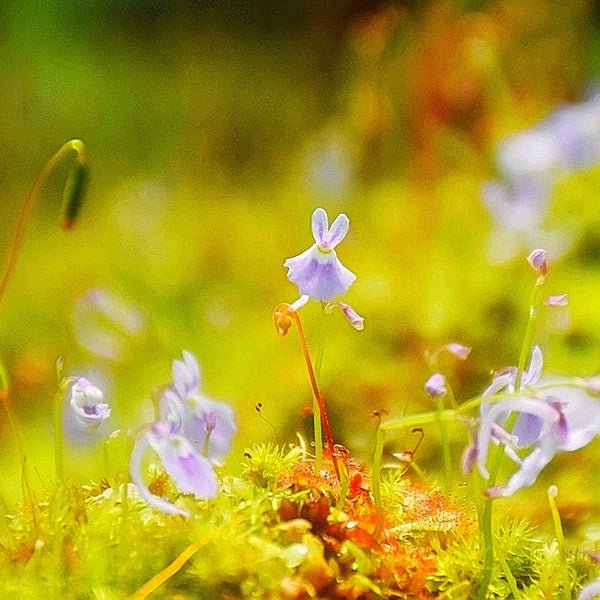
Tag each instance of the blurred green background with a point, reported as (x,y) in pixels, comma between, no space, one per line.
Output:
(214,129)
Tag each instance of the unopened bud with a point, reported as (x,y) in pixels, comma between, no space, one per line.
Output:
(351,315)
(537,259)
(556,301)
(435,386)
(74,193)
(461,352)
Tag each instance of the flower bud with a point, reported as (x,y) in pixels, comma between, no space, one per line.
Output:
(537,259)
(74,193)
(557,301)
(435,386)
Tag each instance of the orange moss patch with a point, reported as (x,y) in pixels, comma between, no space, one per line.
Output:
(402,562)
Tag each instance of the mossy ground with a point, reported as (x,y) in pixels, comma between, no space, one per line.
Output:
(279,531)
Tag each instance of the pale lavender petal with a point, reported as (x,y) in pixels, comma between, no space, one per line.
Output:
(186,375)
(468,458)
(297,304)
(531,467)
(535,367)
(499,383)
(337,232)
(135,468)
(527,429)
(87,403)
(319,275)
(582,415)
(538,261)
(320,226)
(191,472)
(500,411)
(351,315)
(195,427)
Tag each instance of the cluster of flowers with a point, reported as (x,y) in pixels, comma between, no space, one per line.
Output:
(532,417)
(192,435)
(530,163)
(552,416)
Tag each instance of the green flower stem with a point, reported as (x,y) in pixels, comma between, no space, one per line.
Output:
(59,457)
(496,462)
(510,578)
(527,338)
(377,458)
(59,462)
(560,540)
(445,441)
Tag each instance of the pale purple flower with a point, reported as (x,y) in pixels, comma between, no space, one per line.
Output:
(318,272)
(576,128)
(435,386)
(560,419)
(591,591)
(518,211)
(106,324)
(532,154)
(206,423)
(87,404)
(193,434)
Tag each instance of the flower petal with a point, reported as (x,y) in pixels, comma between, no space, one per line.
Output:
(590,591)
(135,468)
(536,365)
(318,275)
(220,436)
(582,415)
(498,384)
(320,226)
(191,472)
(497,413)
(337,232)
(186,375)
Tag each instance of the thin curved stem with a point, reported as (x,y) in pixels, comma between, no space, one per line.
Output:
(316,392)
(70,204)
(283,315)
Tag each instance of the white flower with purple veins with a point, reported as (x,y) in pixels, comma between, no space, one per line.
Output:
(560,418)
(87,404)
(318,272)
(209,425)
